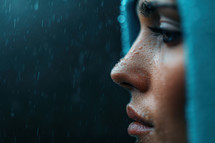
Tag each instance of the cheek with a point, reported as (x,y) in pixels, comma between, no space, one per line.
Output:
(169,90)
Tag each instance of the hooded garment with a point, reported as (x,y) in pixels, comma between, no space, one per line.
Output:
(198,25)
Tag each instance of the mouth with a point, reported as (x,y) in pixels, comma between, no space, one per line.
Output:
(140,125)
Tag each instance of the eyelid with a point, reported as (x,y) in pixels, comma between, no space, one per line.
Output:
(166,23)
(161,31)
(170,38)
(170,27)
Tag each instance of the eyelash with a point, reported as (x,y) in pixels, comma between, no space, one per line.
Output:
(171,38)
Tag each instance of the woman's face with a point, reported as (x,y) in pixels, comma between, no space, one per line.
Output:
(153,71)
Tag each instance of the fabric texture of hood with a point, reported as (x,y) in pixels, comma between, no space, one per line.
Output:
(130,26)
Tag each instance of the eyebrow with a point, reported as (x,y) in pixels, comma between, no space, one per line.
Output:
(147,8)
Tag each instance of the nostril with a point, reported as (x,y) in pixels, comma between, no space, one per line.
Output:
(121,79)
(127,85)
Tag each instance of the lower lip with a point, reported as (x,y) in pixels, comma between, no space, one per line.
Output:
(137,128)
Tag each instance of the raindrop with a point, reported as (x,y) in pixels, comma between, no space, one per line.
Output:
(38,75)
(36,5)
(12,114)
(38,129)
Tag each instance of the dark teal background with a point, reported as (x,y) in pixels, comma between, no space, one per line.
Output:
(55,60)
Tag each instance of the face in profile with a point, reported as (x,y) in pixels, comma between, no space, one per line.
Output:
(153,72)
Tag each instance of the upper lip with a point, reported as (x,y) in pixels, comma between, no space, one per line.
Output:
(135,116)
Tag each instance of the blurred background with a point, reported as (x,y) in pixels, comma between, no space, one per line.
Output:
(55,63)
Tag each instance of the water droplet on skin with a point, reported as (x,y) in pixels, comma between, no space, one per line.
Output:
(136,52)
(140,48)
(123,63)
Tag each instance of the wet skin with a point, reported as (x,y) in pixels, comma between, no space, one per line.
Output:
(153,72)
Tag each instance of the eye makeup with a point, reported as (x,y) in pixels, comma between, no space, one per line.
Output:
(163,20)
(171,38)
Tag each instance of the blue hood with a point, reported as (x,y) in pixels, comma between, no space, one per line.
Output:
(198,22)
(129,24)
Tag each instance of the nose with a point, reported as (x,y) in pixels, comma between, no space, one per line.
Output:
(131,72)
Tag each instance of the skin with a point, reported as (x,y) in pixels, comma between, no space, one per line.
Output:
(154,74)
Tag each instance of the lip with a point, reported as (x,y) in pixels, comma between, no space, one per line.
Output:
(140,125)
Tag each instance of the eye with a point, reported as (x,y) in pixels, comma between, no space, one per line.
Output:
(170,37)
